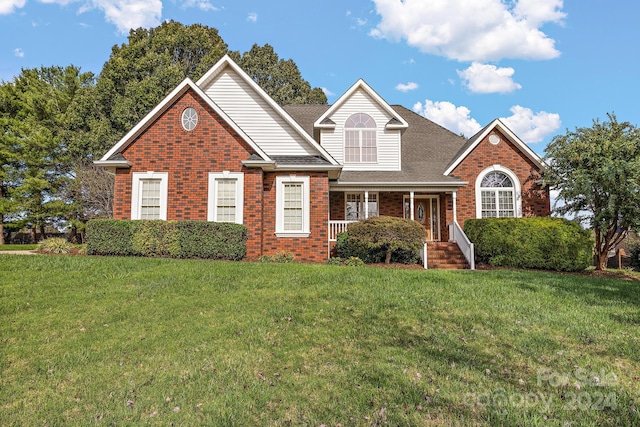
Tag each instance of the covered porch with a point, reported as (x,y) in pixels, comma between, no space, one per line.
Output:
(434,208)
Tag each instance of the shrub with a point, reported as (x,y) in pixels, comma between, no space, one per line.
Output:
(155,238)
(542,242)
(55,245)
(634,256)
(176,239)
(382,238)
(211,240)
(353,261)
(111,237)
(282,257)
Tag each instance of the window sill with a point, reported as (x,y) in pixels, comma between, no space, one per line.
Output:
(291,234)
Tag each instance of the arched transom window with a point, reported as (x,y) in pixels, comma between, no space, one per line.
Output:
(497,194)
(360,139)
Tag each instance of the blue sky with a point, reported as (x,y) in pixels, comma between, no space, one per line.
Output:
(543,66)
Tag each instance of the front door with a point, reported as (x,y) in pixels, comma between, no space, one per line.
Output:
(425,212)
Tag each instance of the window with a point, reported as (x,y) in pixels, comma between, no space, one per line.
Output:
(149,195)
(292,206)
(226,197)
(497,192)
(360,139)
(150,201)
(189,118)
(354,208)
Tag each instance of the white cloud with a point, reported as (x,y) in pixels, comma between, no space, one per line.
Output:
(447,115)
(252,17)
(406,87)
(9,6)
(479,30)
(485,78)
(18,52)
(361,22)
(124,14)
(532,127)
(529,126)
(327,92)
(203,5)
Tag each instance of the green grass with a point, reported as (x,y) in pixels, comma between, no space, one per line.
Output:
(18,247)
(125,341)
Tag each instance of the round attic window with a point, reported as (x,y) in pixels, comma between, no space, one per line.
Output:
(189,118)
(494,139)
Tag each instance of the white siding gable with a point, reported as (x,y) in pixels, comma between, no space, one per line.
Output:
(268,129)
(388,140)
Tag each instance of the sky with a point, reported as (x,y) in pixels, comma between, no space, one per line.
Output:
(542,66)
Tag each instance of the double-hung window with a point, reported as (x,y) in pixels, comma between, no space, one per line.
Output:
(292,206)
(226,197)
(149,195)
(355,206)
(360,144)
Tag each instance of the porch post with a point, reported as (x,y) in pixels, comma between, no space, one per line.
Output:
(366,204)
(455,214)
(411,201)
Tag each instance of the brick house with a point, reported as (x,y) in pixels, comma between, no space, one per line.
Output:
(221,149)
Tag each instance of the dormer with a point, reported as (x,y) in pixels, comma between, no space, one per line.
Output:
(361,131)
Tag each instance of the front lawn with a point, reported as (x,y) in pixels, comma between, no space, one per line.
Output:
(12,247)
(133,341)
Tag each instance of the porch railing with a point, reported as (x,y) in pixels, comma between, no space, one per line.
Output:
(336,227)
(457,235)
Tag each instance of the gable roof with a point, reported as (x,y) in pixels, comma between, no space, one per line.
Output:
(396,121)
(427,148)
(227,63)
(473,142)
(114,157)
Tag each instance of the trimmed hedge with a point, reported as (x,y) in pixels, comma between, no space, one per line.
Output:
(540,242)
(382,238)
(175,239)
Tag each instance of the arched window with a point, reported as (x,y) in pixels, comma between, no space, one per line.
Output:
(498,194)
(360,139)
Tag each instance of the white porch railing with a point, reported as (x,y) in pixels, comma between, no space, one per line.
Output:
(457,235)
(336,227)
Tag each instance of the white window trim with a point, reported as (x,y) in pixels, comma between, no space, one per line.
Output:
(517,189)
(212,214)
(136,197)
(280,181)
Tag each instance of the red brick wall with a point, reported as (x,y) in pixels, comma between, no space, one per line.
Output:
(315,246)
(535,199)
(213,146)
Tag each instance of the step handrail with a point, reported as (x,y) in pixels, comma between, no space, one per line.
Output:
(457,235)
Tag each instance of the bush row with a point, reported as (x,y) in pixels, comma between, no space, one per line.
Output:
(382,239)
(542,242)
(175,239)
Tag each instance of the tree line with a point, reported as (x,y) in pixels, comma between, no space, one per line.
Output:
(54,121)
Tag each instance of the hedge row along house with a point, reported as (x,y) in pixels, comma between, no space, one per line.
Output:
(221,149)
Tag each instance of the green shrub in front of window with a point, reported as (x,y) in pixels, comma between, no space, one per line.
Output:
(539,243)
(175,239)
(382,239)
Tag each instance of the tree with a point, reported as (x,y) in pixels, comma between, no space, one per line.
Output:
(280,78)
(597,173)
(32,111)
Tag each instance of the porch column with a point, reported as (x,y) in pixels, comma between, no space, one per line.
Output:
(411,199)
(455,215)
(366,204)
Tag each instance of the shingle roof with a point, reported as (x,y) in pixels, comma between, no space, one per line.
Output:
(427,149)
(300,160)
(116,156)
